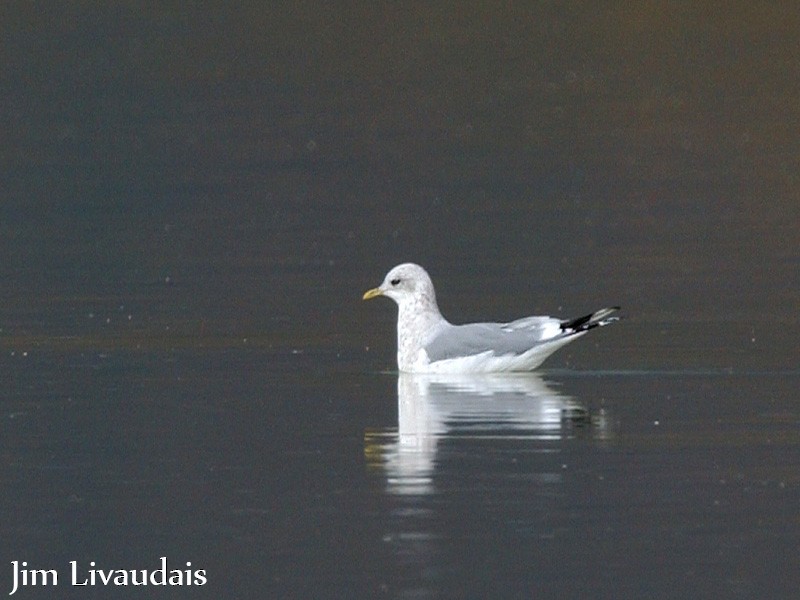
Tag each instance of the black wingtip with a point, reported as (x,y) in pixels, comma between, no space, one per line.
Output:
(598,318)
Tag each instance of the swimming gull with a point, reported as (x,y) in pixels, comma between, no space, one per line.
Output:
(428,343)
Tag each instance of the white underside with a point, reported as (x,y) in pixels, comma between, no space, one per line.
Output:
(488,362)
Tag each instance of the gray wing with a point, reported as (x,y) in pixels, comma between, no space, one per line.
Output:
(515,337)
(499,338)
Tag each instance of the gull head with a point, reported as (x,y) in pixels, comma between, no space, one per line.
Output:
(406,283)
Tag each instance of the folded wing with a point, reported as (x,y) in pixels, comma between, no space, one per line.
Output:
(514,338)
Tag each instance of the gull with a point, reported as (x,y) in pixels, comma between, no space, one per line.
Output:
(428,343)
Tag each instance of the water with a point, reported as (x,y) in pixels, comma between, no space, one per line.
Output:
(194,202)
(290,482)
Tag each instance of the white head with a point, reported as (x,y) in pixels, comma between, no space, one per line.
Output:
(418,317)
(405,283)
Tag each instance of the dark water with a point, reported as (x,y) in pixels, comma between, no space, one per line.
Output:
(193,201)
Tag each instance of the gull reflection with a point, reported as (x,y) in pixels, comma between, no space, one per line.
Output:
(433,407)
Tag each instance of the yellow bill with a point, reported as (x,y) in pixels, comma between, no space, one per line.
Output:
(372,293)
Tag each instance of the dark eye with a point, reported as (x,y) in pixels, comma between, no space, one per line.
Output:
(395,281)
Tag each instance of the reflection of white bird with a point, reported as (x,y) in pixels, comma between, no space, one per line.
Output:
(454,404)
(428,343)
(434,407)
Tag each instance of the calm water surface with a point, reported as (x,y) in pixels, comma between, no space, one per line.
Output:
(293,475)
(194,200)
